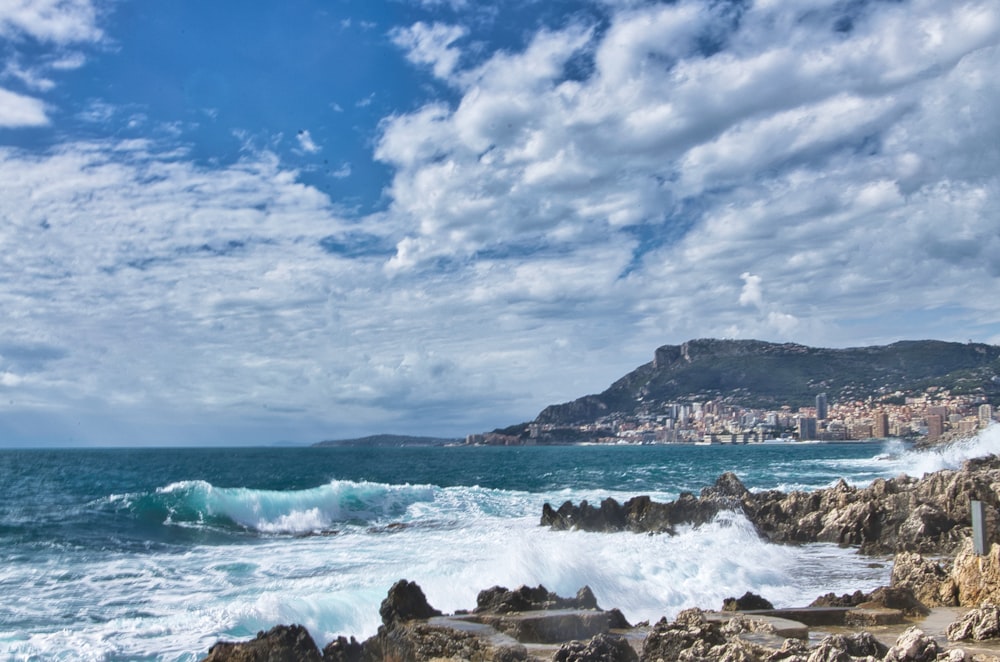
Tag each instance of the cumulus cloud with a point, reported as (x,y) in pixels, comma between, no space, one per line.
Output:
(18,110)
(817,171)
(52,21)
(431,45)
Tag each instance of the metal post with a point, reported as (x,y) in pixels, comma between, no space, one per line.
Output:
(978,527)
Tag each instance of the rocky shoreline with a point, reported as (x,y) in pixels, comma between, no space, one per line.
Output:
(929,515)
(911,518)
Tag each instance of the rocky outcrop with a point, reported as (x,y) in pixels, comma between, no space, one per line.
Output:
(502,600)
(282,643)
(406,601)
(978,624)
(930,581)
(747,602)
(926,515)
(602,648)
(582,633)
(977,578)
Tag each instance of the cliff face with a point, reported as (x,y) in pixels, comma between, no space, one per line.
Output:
(763,374)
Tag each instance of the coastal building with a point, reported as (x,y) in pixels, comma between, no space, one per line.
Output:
(881,425)
(807,428)
(935,426)
(985,415)
(821,407)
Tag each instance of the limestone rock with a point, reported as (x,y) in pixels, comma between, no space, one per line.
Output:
(977,578)
(282,643)
(913,646)
(844,648)
(977,625)
(405,601)
(929,580)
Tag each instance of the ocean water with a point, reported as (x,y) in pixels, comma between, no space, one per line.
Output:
(155,554)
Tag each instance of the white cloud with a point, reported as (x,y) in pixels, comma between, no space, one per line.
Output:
(18,110)
(306,142)
(431,45)
(54,21)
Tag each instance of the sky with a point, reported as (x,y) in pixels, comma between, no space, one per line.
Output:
(238,223)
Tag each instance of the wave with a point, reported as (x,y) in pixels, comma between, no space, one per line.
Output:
(315,510)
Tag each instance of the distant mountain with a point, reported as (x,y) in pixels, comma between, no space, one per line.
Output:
(765,375)
(388,440)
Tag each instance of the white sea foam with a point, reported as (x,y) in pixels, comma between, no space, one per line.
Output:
(173,606)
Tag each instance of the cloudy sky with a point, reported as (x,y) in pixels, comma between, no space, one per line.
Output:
(240,223)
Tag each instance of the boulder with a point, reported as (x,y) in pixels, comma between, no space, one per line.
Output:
(282,643)
(913,646)
(602,648)
(843,648)
(747,602)
(405,602)
(977,624)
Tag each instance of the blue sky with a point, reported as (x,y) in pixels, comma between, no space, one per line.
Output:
(238,223)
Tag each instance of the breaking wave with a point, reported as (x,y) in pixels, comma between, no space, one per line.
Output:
(317,509)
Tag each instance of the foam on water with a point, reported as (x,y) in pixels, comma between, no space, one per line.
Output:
(172,602)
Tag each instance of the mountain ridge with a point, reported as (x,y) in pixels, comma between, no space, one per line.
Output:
(763,374)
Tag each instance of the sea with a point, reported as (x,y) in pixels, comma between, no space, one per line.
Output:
(157,553)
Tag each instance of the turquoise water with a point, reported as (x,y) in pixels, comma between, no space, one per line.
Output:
(155,553)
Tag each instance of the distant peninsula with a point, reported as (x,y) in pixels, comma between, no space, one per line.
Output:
(737,391)
(381,440)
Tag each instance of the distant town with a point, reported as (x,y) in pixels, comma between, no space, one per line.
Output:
(929,415)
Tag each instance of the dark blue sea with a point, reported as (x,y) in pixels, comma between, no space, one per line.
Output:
(154,554)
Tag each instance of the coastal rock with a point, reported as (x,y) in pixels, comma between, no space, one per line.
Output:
(844,648)
(913,646)
(977,625)
(977,578)
(405,602)
(343,649)
(930,581)
(282,643)
(748,601)
(602,648)
(845,600)
(501,600)
(417,641)
(926,515)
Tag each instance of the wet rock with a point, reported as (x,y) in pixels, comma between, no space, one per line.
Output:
(927,515)
(747,602)
(405,601)
(602,648)
(913,646)
(689,631)
(845,600)
(343,649)
(282,643)
(501,600)
(895,597)
(978,624)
